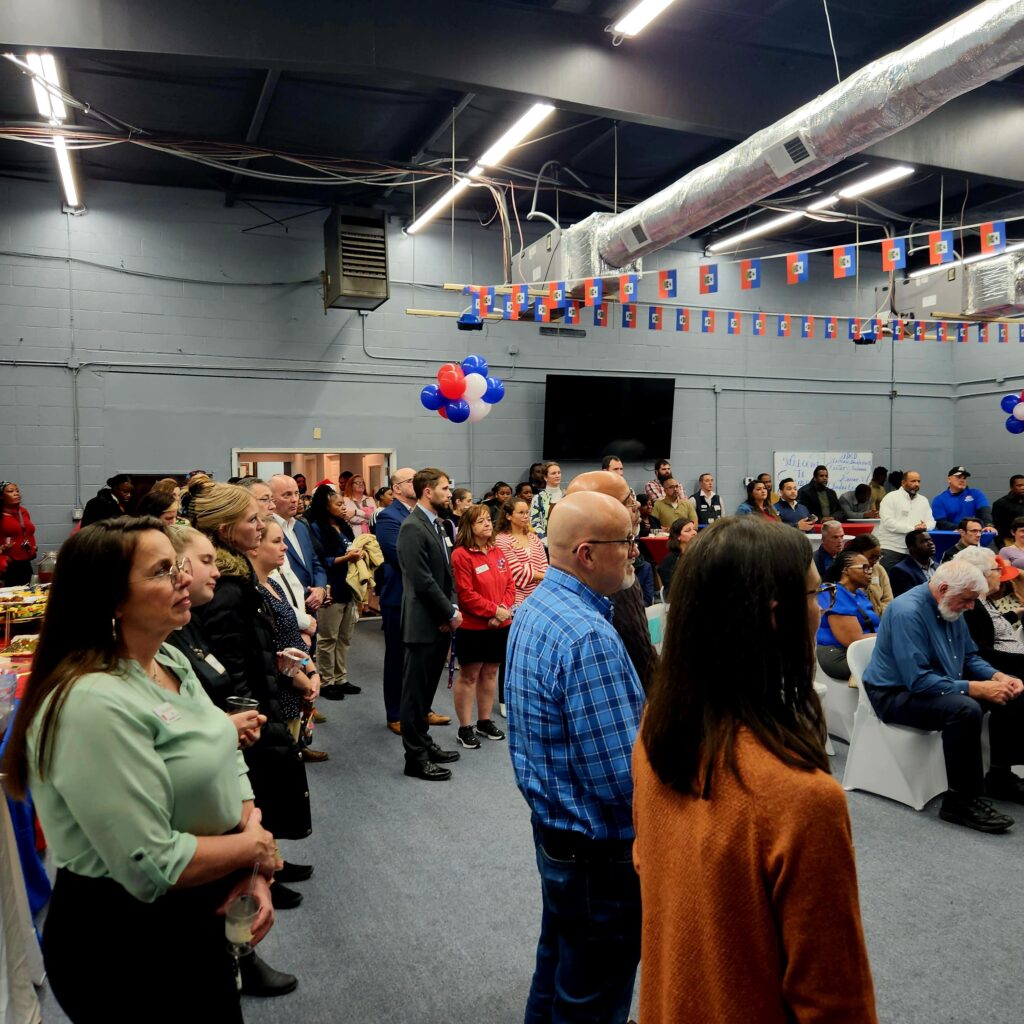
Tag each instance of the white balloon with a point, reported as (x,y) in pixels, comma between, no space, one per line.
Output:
(478,409)
(1018,411)
(476,385)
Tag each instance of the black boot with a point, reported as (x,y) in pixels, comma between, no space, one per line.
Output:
(260,979)
(293,872)
(284,898)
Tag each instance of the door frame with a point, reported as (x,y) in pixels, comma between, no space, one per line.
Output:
(390,454)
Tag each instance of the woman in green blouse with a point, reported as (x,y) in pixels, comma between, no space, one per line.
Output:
(140,789)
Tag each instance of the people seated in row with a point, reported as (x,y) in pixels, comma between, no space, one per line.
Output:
(680,535)
(655,489)
(879,589)
(1013,552)
(647,524)
(706,503)
(969,529)
(917,567)
(925,672)
(857,504)
(832,538)
(901,511)
(757,503)
(766,479)
(958,502)
(847,612)
(673,505)
(878,485)
(789,508)
(819,499)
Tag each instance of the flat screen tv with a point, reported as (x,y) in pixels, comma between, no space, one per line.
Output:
(586,418)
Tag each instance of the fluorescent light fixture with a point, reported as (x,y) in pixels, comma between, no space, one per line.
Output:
(943,267)
(875,181)
(67,175)
(494,155)
(50,104)
(759,229)
(637,19)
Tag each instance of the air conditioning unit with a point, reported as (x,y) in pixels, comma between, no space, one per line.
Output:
(356,259)
(790,154)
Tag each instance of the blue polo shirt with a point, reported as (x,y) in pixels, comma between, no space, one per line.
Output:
(857,604)
(791,515)
(954,507)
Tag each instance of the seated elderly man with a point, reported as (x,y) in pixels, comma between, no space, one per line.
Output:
(926,672)
(831,544)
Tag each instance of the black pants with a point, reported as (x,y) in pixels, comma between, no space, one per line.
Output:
(833,662)
(958,718)
(423,666)
(111,959)
(394,662)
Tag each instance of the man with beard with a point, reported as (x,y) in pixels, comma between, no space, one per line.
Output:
(902,511)
(925,672)
(630,618)
(574,705)
(662,472)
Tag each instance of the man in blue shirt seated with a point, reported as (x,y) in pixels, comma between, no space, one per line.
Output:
(832,540)
(925,672)
(959,501)
(970,530)
(918,567)
(574,704)
(790,510)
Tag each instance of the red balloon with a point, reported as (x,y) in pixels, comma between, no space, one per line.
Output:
(452,384)
(443,412)
(449,368)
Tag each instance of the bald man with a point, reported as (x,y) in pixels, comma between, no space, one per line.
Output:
(574,704)
(302,556)
(630,619)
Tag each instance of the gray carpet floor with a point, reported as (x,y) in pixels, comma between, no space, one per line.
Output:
(424,907)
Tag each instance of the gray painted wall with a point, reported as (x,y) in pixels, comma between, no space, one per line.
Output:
(173,375)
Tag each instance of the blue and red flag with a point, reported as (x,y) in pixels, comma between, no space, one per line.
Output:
(750,274)
(682,319)
(629,316)
(784,325)
(708,278)
(961,333)
(831,327)
(601,314)
(854,328)
(942,331)
(667,284)
(940,247)
(919,330)
(627,287)
(556,294)
(508,311)
(654,316)
(593,291)
(760,324)
(993,236)
(733,322)
(807,327)
(894,254)
(542,311)
(844,261)
(983,333)
(897,330)
(520,296)
(707,321)
(797,267)
(1003,332)
(572,312)
(876,327)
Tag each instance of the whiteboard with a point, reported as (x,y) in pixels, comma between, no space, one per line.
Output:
(845,469)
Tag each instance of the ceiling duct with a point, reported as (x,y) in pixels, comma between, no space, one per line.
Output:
(983,44)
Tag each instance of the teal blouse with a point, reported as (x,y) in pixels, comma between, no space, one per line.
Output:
(137,772)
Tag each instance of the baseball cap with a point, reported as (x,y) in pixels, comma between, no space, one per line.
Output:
(958,471)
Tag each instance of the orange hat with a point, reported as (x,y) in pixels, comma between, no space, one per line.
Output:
(1006,571)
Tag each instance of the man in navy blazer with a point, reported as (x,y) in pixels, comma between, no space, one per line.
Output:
(302,556)
(919,565)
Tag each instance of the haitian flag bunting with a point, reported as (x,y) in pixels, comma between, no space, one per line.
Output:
(796,268)
(654,317)
(894,254)
(897,330)
(593,291)
(760,320)
(1003,334)
(983,333)
(542,311)
(682,319)
(479,306)
(919,330)
(487,297)
(508,311)
(876,327)
(1020,332)
(572,312)
(601,314)
(844,261)
(961,333)
(942,331)
(784,324)
(629,316)
(707,321)
(627,287)
(708,278)
(520,296)
(666,284)
(831,327)
(993,236)
(733,322)
(854,328)
(940,247)
(807,327)
(750,274)
(556,294)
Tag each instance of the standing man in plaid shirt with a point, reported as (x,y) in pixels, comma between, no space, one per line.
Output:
(574,704)
(655,489)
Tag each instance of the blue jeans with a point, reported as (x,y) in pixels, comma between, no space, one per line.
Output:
(589,945)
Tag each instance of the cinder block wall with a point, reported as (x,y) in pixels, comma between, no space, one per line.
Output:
(172,375)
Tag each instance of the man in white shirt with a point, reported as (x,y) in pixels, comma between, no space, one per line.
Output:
(901,511)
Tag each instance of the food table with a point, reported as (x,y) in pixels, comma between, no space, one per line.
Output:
(20,606)
(656,546)
(853,527)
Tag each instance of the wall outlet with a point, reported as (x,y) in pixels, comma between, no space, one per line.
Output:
(76,514)
(317,433)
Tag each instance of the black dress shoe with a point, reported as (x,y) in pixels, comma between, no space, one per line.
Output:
(426,770)
(438,756)
(294,872)
(350,688)
(284,898)
(260,979)
(1004,785)
(332,691)
(973,812)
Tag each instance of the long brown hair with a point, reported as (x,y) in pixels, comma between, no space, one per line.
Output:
(77,635)
(505,513)
(464,538)
(707,687)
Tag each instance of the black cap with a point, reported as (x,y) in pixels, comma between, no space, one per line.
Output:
(958,471)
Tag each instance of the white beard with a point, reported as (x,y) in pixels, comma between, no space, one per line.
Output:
(946,613)
(629,579)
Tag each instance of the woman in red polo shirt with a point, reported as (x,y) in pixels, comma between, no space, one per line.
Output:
(17,537)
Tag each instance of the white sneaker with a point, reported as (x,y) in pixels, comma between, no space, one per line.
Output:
(501,711)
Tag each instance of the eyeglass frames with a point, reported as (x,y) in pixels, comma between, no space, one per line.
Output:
(830,590)
(629,541)
(172,572)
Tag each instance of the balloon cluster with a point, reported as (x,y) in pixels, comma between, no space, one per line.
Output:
(463,391)
(1014,405)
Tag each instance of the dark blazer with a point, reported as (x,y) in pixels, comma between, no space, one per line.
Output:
(389,522)
(906,575)
(428,586)
(983,633)
(309,569)
(808,495)
(191,641)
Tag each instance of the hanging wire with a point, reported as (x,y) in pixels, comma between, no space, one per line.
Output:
(831,39)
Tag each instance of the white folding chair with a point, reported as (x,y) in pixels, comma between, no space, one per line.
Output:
(840,702)
(819,689)
(895,761)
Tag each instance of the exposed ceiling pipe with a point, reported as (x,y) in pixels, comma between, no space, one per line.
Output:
(983,44)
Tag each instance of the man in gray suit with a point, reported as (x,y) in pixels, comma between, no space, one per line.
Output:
(429,617)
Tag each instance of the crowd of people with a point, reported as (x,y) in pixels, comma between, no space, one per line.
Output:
(233,607)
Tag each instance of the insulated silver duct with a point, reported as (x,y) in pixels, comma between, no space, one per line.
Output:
(983,44)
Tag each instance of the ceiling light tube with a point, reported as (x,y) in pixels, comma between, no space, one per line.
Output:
(823,204)
(49,103)
(759,229)
(67,175)
(637,19)
(875,181)
(58,110)
(437,206)
(943,267)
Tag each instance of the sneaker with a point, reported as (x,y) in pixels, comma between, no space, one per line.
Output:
(1004,785)
(973,812)
(485,727)
(467,737)
(502,711)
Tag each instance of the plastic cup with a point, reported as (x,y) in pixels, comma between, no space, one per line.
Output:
(237,704)
(239,919)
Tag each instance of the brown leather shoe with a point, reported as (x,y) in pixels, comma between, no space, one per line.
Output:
(309,754)
(319,717)
(433,718)
(395,727)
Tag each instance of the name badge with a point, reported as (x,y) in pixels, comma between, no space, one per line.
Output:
(166,713)
(481,569)
(214,664)
(448,541)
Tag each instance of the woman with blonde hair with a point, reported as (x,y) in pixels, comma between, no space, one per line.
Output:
(359,504)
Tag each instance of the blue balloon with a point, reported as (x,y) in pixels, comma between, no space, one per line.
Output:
(1014,425)
(432,398)
(1009,402)
(458,411)
(475,364)
(495,391)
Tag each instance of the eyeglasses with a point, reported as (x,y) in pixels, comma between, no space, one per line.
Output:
(172,572)
(267,499)
(399,483)
(830,590)
(629,541)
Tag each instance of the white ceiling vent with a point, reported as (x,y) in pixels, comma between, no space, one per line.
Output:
(790,154)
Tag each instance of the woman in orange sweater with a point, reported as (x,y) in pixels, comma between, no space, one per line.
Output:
(486,593)
(743,841)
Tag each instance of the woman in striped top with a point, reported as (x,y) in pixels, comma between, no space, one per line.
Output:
(522,547)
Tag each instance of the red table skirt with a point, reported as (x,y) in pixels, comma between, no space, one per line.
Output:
(656,547)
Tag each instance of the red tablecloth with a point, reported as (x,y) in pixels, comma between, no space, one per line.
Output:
(656,547)
(854,527)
